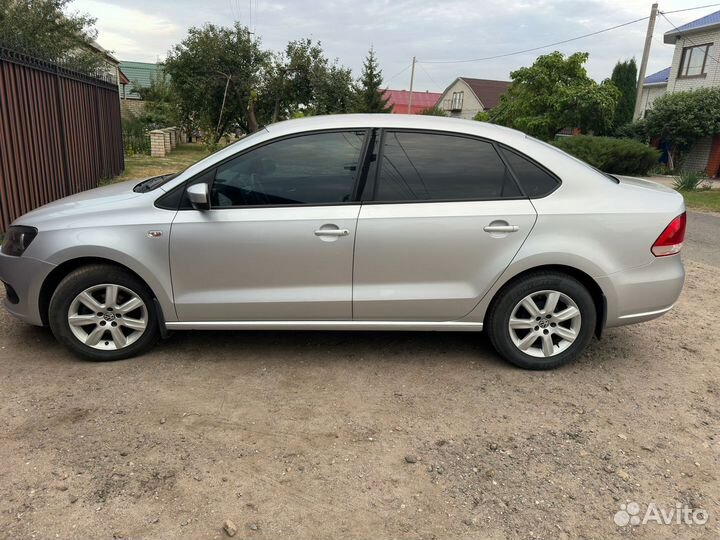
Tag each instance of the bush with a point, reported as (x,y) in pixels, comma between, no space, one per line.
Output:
(634,130)
(135,135)
(433,111)
(615,156)
(689,181)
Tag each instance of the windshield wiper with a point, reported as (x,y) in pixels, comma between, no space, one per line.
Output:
(153,183)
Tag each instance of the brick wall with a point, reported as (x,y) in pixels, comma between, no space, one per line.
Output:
(713,166)
(697,158)
(712,67)
(131,107)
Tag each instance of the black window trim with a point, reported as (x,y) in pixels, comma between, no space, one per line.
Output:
(372,183)
(357,183)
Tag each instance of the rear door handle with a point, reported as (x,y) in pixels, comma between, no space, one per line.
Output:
(501,228)
(332,232)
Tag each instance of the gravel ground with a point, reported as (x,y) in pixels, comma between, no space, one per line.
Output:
(363,435)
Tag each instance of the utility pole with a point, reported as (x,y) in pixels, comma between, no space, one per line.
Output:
(412,80)
(643,64)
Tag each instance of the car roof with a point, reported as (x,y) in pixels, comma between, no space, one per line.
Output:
(397,121)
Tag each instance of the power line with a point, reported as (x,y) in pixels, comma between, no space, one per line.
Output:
(692,8)
(403,70)
(534,48)
(688,39)
(430,76)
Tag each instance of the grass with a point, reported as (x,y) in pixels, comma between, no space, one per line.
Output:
(703,200)
(138,167)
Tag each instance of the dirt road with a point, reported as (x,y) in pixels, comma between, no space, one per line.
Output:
(363,435)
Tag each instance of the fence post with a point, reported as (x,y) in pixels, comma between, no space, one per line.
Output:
(157,143)
(60,102)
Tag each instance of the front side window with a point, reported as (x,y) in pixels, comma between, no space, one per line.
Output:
(433,167)
(693,60)
(318,168)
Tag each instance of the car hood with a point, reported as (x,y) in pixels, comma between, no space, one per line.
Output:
(98,199)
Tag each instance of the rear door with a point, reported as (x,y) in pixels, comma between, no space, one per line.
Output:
(442,218)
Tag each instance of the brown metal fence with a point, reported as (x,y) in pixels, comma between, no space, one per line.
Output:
(60,133)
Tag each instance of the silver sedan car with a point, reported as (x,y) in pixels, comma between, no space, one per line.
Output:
(355,222)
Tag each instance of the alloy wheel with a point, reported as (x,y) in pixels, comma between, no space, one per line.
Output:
(544,323)
(108,317)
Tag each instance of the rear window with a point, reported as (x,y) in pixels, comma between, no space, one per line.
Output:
(534,180)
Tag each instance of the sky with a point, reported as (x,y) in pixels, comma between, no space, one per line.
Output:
(144,30)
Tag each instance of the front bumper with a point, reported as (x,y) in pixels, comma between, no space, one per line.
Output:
(25,276)
(645,293)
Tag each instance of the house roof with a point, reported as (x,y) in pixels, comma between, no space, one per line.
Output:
(661,77)
(420,100)
(104,52)
(487,90)
(708,22)
(139,74)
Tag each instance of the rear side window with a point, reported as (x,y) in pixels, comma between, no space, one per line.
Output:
(431,167)
(535,181)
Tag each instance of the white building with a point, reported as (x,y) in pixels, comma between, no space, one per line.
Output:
(695,64)
(466,97)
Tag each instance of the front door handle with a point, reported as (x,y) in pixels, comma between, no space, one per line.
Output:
(501,228)
(332,232)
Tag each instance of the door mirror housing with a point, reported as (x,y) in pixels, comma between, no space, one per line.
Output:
(199,195)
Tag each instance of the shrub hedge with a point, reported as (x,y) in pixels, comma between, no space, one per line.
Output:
(615,156)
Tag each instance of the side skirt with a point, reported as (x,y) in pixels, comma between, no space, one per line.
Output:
(444,326)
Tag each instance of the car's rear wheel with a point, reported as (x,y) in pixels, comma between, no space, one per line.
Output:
(103,312)
(542,320)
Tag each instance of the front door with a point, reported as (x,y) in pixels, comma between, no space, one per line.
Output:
(277,243)
(443,220)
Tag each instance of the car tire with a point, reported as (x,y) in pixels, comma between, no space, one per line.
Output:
(82,319)
(530,336)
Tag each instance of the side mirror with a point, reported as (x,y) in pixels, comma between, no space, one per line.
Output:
(199,196)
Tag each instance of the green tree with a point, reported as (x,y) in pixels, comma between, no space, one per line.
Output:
(555,93)
(161,108)
(216,74)
(46,29)
(682,118)
(369,97)
(303,79)
(624,76)
(482,116)
(433,111)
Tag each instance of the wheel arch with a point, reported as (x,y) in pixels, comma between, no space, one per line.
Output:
(53,279)
(598,296)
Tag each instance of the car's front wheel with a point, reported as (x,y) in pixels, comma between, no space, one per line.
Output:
(102,312)
(542,320)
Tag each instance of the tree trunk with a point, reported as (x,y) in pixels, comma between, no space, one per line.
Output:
(276,110)
(251,119)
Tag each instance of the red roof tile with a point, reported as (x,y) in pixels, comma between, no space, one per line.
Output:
(420,101)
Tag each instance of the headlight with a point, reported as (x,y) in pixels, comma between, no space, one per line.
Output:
(17,239)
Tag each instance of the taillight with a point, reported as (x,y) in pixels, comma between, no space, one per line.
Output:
(671,240)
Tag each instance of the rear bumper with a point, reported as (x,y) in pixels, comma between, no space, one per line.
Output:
(25,277)
(645,293)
